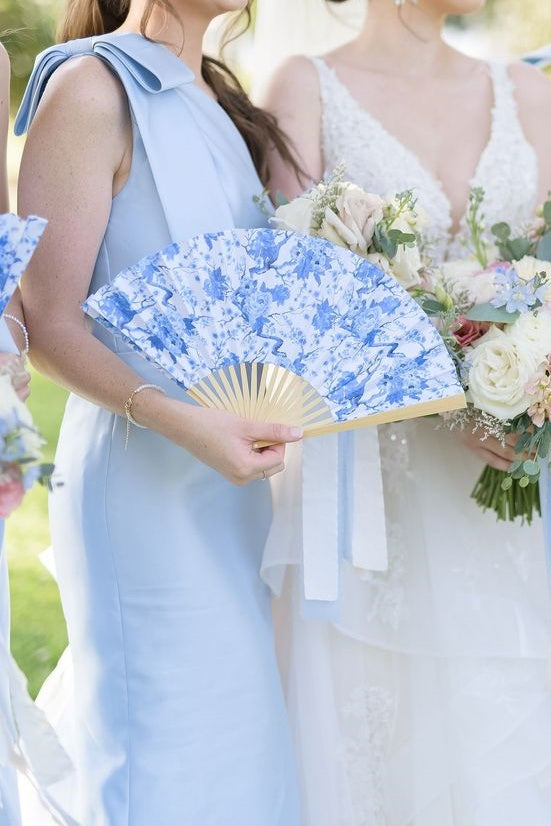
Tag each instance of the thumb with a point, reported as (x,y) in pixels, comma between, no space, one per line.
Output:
(275,433)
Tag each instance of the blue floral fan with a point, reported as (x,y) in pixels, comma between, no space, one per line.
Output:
(279,326)
(18,240)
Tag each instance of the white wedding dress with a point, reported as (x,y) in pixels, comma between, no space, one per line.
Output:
(427,701)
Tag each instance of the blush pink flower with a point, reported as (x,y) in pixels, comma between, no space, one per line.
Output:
(539,388)
(12,491)
(469,331)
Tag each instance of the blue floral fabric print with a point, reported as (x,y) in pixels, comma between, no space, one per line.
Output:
(281,298)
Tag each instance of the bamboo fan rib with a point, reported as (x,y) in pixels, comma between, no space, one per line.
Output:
(264,393)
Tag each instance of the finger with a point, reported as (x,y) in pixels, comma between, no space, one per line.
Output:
(274,453)
(495,446)
(495,461)
(20,380)
(273,433)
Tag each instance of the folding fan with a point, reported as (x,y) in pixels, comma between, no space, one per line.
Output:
(18,239)
(279,326)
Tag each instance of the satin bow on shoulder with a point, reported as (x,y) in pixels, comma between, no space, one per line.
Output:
(150,65)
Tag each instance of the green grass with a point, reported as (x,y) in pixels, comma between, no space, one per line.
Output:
(38,629)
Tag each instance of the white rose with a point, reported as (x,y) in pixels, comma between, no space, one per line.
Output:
(499,372)
(465,277)
(295,216)
(528,267)
(532,332)
(406,266)
(354,219)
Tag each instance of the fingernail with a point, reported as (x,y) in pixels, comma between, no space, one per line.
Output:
(296,432)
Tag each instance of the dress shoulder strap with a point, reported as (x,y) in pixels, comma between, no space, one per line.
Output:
(327,81)
(505,104)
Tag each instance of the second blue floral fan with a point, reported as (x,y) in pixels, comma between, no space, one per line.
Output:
(279,326)
(18,240)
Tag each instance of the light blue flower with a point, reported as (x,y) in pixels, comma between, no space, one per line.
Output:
(516,295)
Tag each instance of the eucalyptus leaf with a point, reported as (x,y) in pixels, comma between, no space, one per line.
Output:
(547,212)
(487,312)
(502,231)
(531,468)
(400,237)
(544,246)
(431,306)
(519,247)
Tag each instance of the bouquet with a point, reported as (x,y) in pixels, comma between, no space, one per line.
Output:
(385,231)
(492,308)
(494,311)
(20,450)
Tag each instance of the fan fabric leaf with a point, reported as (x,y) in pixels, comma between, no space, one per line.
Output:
(299,303)
(18,240)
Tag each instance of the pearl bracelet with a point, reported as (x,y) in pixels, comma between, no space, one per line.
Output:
(25,351)
(128,408)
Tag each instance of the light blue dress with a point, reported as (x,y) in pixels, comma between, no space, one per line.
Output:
(181,719)
(9,806)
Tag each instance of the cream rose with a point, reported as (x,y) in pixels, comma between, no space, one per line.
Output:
(354,219)
(296,215)
(500,370)
(532,331)
(406,266)
(466,278)
(528,267)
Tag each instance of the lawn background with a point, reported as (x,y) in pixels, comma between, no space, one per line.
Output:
(38,630)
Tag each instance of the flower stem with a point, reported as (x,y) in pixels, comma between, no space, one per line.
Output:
(508,505)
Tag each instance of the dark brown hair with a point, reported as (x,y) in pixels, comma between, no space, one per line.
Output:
(260,130)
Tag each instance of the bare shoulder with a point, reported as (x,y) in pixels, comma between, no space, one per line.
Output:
(85,93)
(533,87)
(296,78)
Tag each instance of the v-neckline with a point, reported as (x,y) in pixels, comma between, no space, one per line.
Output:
(454,230)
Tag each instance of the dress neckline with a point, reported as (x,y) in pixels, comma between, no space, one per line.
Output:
(414,157)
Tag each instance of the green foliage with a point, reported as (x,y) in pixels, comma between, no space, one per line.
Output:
(26,27)
(38,630)
(487,312)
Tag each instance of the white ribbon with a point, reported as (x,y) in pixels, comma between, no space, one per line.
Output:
(320,518)
(305,528)
(369,541)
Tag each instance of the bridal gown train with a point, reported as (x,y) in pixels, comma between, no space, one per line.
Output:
(427,701)
(179,716)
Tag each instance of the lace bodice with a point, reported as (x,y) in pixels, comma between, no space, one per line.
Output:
(376,160)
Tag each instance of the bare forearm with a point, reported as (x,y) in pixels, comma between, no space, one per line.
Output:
(71,356)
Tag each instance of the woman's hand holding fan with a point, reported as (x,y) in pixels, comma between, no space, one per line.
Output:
(218,438)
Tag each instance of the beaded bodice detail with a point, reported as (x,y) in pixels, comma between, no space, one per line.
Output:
(379,162)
